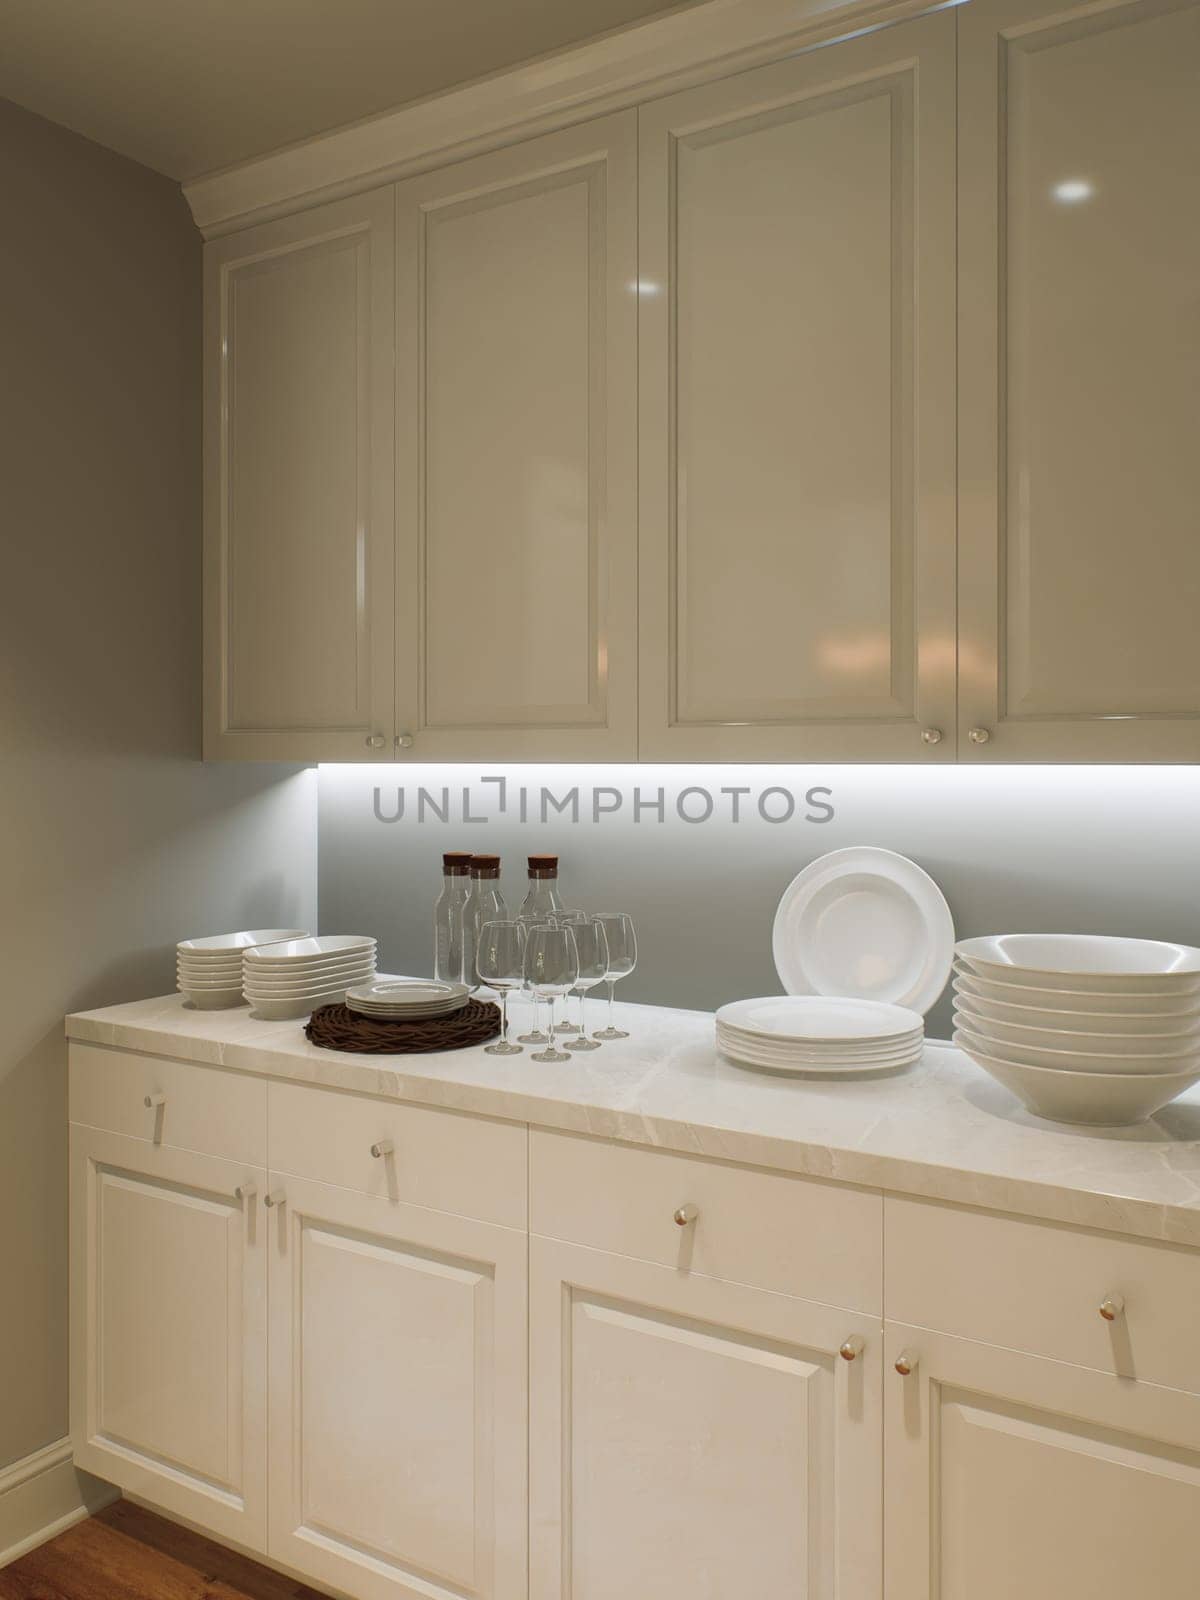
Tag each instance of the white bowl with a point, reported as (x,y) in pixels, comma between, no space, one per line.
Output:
(1088,1061)
(1090,961)
(311,969)
(1074,1039)
(287,1010)
(234,943)
(1097,1099)
(213,999)
(210,969)
(304,992)
(1146,1024)
(338,980)
(324,948)
(1154,1002)
(183,981)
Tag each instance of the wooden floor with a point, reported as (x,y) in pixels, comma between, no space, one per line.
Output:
(125,1553)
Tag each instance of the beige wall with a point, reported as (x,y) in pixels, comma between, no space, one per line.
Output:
(114,839)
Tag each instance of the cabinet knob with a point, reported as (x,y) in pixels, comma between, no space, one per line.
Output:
(275,1198)
(375,741)
(246,1191)
(404,741)
(686,1214)
(381,1148)
(906,1363)
(852,1347)
(153,1101)
(979,735)
(931,735)
(1112,1307)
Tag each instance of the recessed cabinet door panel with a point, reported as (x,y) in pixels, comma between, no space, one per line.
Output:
(797,323)
(299,491)
(398,1397)
(695,1438)
(518,455)
(1080,368)
(1012,1475)
(169,1330)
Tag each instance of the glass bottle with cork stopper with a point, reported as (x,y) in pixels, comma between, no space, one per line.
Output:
(448,916)
(485,903)
(543,900)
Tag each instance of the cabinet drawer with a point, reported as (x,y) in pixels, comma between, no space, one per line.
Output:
(469,1166)
(1038,1287)
(205,1109)
(799,1236)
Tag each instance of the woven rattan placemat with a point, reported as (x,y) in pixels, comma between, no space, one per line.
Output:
(339,1028)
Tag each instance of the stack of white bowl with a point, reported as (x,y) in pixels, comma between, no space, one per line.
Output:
(807,1035)
(209,971)
(292,979)
(1081,1027)
(392,999)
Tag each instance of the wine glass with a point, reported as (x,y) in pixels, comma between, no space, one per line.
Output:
(591,941)
(570,919)
(535,1035)
(551,968)
(500,963)
(622,958)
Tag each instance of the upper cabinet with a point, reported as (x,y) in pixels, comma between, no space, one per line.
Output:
(516,501)
(1079,372)
(299,537)
(797,408)
(839,409)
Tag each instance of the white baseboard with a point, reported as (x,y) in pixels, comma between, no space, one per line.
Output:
(44,1494)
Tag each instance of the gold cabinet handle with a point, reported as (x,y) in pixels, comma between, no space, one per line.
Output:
(1112,1307)
(907,1362)
(404,741)
(852,1347)
(686,1214)
(979,735)
(931,735)
(375,741)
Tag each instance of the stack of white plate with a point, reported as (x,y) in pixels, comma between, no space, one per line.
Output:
(209,971)
(1081,1027)
(292,979)
(391,999)
(820,1035)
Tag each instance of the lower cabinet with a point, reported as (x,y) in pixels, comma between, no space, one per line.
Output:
(1013,1475)
(398,1396)
(693,1439)
(169,1329)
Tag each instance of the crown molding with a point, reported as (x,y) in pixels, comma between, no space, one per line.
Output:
(606,74)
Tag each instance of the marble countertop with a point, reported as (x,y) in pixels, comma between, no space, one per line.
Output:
(942,1130)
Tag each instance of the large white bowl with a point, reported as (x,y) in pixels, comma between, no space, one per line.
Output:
(1078,1040)
(209,974)
(213,999)
(352,972)
(1091,961)
(1156,1002)
(183,981)
(1094,1061)
(1145,1024)
(218,944)
(324,948)
(299,991)
(287,1010)
(1097,1099)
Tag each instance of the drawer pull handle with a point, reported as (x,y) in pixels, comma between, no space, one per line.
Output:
(853,1347)
(275,1198)
(153,1101)
(686,1214)
(906,1363)
(1112,1307)
(383,1147)
(931,735)
(245,1191)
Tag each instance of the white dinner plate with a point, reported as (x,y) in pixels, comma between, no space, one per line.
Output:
(827,1018)
(323,948)
(1145,1002)
(234,943)
(804,1051)
(803,1070)
(864,922)
(1094,962)
(387,990)
(780,1059)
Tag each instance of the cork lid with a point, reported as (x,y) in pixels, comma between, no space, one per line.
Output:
(485,866)
(456,863)
(543,866)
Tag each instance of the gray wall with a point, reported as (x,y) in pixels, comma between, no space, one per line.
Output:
(114,839)
(1084,849)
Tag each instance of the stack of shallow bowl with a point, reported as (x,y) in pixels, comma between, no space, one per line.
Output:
(815,1035)
(292,979)
(209,971)
(1081,1027)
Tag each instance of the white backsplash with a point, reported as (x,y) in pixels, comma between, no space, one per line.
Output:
(1080,849)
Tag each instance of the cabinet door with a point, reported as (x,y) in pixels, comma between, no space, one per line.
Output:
(797,408)
(169,1329)
(1011,1475)
(1079,196)
(298,491)
(696,1440)
(398,1384)
(517,454)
